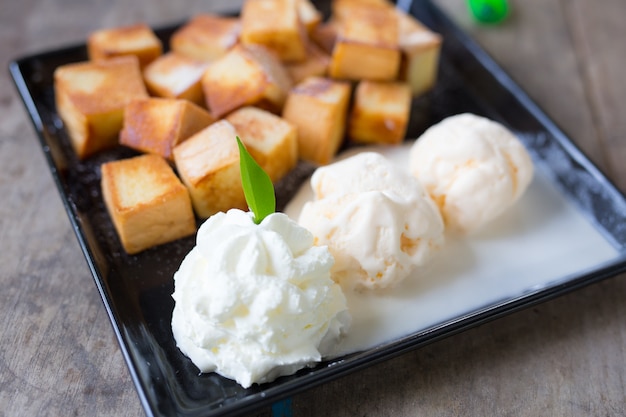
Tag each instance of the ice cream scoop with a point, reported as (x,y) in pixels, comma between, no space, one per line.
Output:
(376,219)
(473,168)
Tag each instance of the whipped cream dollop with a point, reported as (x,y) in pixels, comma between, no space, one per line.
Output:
(474,169)
(254,302)
(376,219)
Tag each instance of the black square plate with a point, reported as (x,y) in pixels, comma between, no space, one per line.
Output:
(136,290)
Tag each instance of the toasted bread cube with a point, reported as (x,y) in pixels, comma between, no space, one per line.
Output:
(271,140)
(208,164)
(247,75)
(176,76)
(138,40)
(309,15)
(318,108)
(147,202)
(380,112)
(275,24)
(342,9)
(367,43)
(420,48)
(206,37)
(315,65)
(324,35)
(90,98)
(157,125)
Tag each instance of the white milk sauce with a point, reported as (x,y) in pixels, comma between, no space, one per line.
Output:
(538,242)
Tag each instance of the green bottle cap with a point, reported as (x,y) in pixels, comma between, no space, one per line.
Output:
(489,11)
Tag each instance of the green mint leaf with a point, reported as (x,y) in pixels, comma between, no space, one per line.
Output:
(257,186)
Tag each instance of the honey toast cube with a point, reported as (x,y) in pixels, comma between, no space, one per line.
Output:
(420,48)
(318,108)
(147,202)
(366,46)
(315,65)
(341,9)
(380,112)
(275,24)
(138,40)
(90,99)
(271,140)
(208,164)
(157,125)
(176,76)
(309,15)
(206,37)
(246,75)
(324,35)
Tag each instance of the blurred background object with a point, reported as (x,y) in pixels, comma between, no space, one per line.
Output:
(489,11)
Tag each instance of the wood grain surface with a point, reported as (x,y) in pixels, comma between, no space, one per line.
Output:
(566,357)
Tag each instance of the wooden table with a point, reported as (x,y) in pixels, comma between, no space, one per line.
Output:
(564,357)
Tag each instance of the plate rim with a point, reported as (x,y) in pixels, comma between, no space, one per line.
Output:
(360,360)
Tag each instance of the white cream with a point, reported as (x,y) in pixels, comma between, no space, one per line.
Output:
(473,167)
(377,220)
(526,249)
(254,302)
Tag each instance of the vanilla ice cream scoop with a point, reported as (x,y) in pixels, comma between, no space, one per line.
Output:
(473,168)
(378,222)
(254,302)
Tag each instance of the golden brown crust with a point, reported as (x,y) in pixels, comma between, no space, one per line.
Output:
(271,140)
(157,125)
(147,202)
(138,40)
(176,76)
(90,98)
(208,164)
(309,15)
(380,112)
(366,46)
(206,37)
(420,54)
(315,65)
(276,25)
(318,108)
(246,75)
